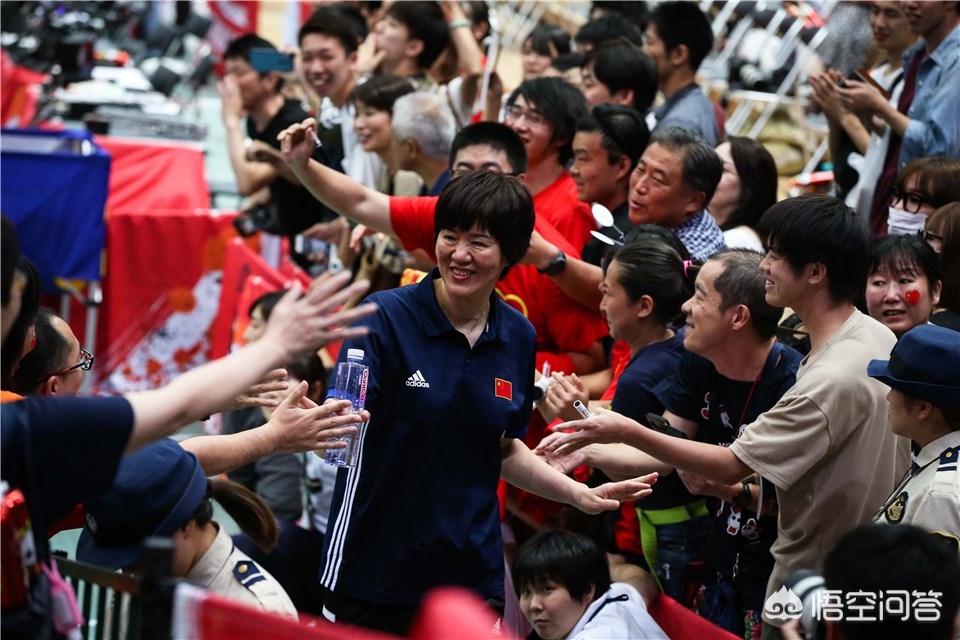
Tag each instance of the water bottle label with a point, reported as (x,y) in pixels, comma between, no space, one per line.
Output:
(362,399)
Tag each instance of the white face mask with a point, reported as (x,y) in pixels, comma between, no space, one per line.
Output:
(901,222)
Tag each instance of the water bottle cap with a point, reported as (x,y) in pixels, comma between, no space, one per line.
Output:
(354,354)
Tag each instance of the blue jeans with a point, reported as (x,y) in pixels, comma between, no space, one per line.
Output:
(679,545)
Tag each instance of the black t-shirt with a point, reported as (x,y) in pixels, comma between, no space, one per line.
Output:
(58,452)
(634,398)
(296,207)
(723,408)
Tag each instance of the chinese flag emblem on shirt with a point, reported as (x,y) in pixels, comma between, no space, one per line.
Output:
(503,389)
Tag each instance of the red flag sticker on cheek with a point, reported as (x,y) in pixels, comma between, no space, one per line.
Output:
(912,296)
(503,389)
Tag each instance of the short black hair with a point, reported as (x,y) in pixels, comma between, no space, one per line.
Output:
(561,104)
(381,91)
(620,66)
(683,23)
(266,302)
(239,49)
(636,13)
(548,40)
(607,28)
(49,355)
(905,253)
(495,135)
(499,204)
(623,131)
(425,22)
(742,282)
(569,559)
(334,21)
(702,167)
(817,228)
(884,559)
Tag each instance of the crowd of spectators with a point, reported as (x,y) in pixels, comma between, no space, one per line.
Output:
(621,366)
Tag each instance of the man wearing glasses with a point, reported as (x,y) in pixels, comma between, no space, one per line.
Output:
(544,113)
(56,366)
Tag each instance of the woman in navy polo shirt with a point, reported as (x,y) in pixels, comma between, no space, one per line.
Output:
(451,370)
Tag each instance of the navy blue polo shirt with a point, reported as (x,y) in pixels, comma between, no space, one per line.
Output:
(420,509)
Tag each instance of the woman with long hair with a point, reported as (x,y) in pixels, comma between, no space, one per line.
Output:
(747,188)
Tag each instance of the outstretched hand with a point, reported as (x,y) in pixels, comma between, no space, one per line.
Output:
(603,426)
(305,323)
(297,143)
(299,424)
(608,497)
(260,394)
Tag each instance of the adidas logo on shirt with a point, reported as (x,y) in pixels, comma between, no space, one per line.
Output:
(417,380)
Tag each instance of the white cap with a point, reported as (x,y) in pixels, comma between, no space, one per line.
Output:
(354,354)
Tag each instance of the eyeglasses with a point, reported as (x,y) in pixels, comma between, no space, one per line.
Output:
(912,201)
(534,118)
(935,240)
(86,363)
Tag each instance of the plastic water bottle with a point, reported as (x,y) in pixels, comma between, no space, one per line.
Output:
(350,384)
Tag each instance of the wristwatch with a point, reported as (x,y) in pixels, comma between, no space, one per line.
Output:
(742,499)
(556,266)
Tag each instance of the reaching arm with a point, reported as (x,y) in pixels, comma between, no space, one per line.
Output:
(297,325)
(524,470)
(297,425)
(579,280)
(710,461)
(337,191)
(619,461)
(469,54)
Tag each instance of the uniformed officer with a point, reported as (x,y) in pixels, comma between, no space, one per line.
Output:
(161,490)
(924,405)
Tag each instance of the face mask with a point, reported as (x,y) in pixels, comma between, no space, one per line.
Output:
(901,222)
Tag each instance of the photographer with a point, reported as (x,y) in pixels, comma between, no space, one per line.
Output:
(251,88)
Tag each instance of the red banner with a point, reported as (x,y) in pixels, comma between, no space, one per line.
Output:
(231,19)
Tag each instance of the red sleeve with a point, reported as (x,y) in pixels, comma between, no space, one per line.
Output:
(554,237)
(412,222)
(619,359)
(571,326)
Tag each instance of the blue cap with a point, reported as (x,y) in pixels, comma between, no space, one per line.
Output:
(924,364)
(156,491)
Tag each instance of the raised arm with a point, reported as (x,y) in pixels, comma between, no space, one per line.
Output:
(297,325)
(524,470)
(341,193)
(251,176)
(297,425)
(707,460)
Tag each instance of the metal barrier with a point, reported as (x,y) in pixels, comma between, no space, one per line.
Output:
(118,606)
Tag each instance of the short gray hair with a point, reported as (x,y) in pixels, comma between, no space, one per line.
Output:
(426,117)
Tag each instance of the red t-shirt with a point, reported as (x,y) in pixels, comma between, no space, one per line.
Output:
(561,207)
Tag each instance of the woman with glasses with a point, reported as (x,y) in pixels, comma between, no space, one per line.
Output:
(904,282)
(942,233)
(922,186)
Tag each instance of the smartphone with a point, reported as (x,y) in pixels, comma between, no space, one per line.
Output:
(659,423)
(265,60)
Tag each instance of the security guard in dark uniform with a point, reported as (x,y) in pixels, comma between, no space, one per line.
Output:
(924,375)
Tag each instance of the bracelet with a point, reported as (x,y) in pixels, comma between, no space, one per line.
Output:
(742,499)
(459,24)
